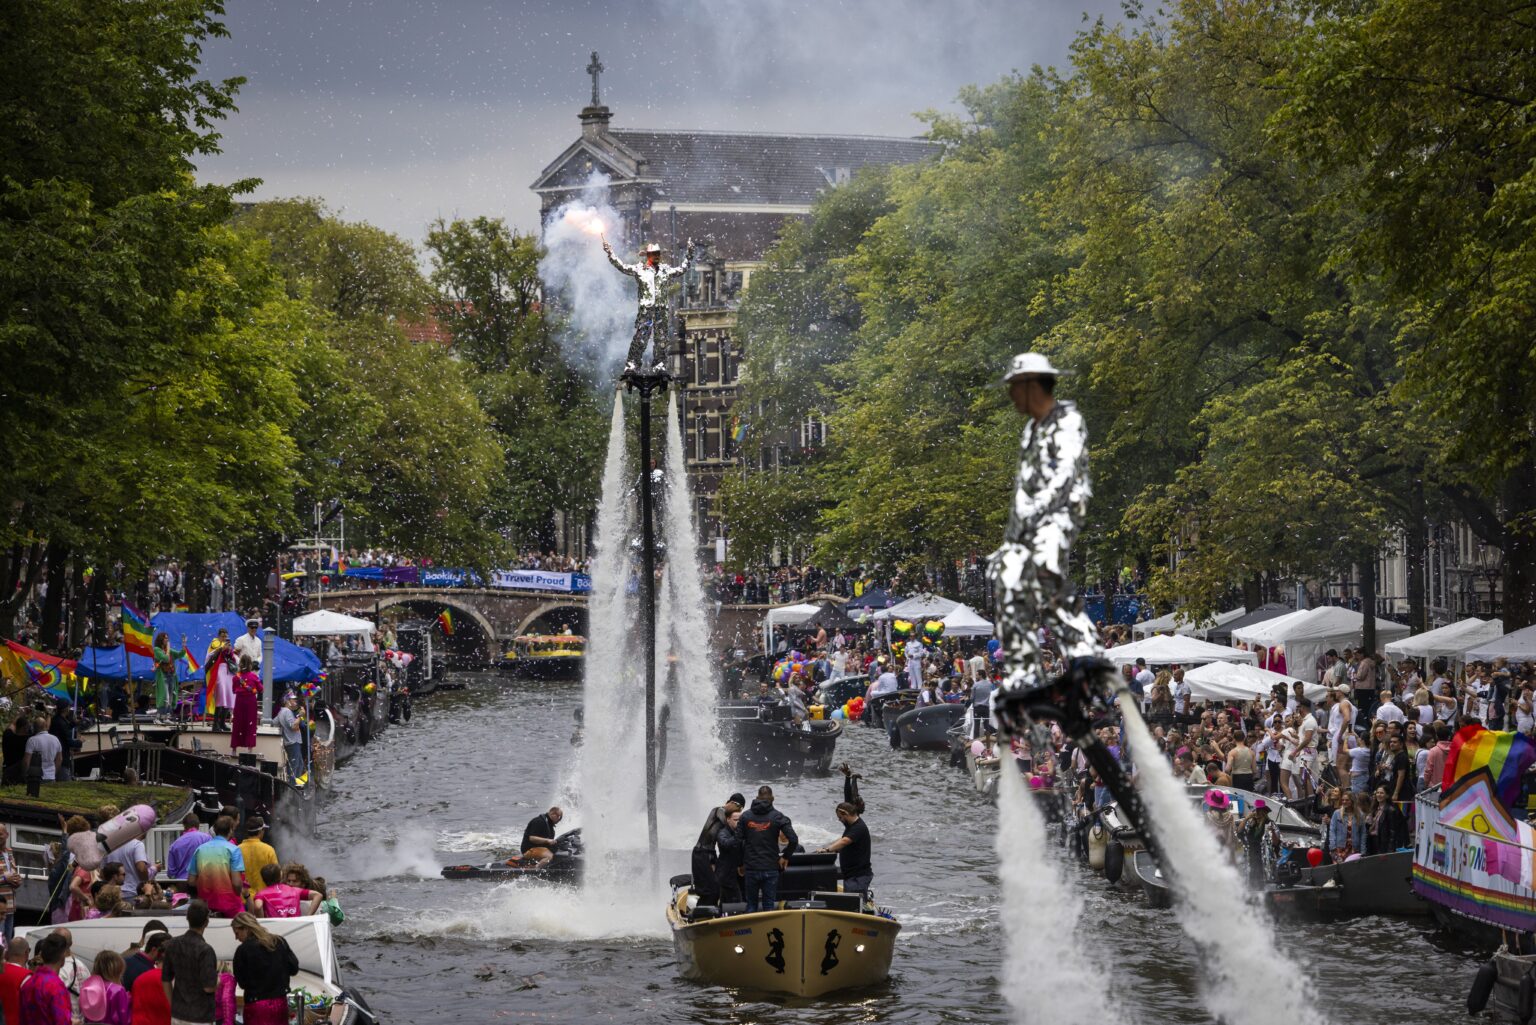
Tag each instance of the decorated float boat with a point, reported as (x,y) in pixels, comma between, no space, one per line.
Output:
(546,657)
(763,739)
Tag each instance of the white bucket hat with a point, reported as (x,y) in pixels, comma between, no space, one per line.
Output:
(1030,364)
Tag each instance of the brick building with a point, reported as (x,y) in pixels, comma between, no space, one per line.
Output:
(732,191)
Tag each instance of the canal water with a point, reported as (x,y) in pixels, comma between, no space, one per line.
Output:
(458,783)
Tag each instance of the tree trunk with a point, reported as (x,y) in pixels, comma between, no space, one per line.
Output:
(53,604)
(1368,600)
(1519,499)
(1415,550)
(78,614)
(21,575)
(98,616)
(194,583)
(1253,592)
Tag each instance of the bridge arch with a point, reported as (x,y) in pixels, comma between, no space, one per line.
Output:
(484,645)
(575,616)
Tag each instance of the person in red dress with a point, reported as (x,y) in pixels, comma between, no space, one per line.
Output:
(247,706)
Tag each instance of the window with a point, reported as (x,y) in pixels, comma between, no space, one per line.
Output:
(813,432)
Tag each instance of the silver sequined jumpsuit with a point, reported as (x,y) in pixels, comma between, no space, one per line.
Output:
(1029,571)
(651,316)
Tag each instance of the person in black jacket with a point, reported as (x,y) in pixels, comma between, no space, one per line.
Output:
(704,861)
(760,831)
(728,868)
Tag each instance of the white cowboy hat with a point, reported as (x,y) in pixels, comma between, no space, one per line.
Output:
(1030,364)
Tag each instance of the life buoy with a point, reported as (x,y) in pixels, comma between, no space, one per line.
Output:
(1114,861)
(1482,987)
(1098,838)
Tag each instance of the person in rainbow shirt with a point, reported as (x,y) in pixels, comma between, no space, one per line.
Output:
(218,871)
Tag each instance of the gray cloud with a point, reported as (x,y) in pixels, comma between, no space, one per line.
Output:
(400,111)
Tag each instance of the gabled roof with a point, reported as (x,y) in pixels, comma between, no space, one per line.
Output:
(734,168)
(747,167)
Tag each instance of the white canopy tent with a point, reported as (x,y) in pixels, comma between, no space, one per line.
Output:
(1161,624)
(1519,646)
(786,615)
(1308,633)
(326,623)
(964,621)
(1227,681)
(1448,641)
(1166,649)
(922,606)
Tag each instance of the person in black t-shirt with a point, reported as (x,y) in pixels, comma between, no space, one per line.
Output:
(852,849)
(540,831)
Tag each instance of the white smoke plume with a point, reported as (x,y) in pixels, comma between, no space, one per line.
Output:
(597,302)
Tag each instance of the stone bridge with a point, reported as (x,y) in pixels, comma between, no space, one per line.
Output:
(486,619)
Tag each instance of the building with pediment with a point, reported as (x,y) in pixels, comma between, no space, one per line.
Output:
(731,191)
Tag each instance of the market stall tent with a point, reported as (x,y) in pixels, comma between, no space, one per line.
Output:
(1222,633)
(786,615)
(1177,622)
(922,606)
(1519,646)
(1228,681)
(1171,649)
(1204,629)
(963,621)
(1447,641)
(1307,634)
(329,623)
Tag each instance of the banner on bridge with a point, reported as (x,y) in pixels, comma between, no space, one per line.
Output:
(537,580)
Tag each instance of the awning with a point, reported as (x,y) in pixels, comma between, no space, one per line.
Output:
(1448,641)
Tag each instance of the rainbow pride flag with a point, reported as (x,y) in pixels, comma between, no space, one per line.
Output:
(445,620)
(193,665)
(136,634)
(54,675)
(1505,756)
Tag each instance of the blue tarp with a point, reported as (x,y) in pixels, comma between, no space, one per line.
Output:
(293,664)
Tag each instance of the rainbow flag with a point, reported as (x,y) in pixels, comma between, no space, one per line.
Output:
(216,656)
(445,620)
(193,665)
(136,634)
(1505,756)
(54,675)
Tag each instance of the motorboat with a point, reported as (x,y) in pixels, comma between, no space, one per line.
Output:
(309,937)
(545,657)
(928,727)
(564,867)
(765,739)
(837,691)
(1381,884)
(883,710)
(816,939)
(1147,873)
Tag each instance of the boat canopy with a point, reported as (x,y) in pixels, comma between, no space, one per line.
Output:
(327,623)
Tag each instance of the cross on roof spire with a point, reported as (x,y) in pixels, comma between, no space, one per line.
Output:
(594,69)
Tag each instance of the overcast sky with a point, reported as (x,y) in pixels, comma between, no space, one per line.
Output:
(400,111)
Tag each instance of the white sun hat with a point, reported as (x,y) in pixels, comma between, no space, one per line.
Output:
(1030,364)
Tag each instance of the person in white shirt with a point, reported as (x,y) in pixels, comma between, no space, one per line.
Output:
(43,748)
(1440,692)
(248,644)
(885,683)
(976,666)
(1388,711)
(1182,692)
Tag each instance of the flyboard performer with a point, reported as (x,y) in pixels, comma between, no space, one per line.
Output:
(1029,578)
(652,277)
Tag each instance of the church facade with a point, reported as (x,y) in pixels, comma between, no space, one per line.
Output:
(731,192)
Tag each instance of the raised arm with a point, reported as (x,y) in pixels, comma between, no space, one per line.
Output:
(619,265)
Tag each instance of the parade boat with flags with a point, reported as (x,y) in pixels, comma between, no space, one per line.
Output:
(1474,861)
(546,657)
(816,940)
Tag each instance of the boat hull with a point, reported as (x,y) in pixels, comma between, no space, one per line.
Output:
(1379,885)
(544,667)
(803,952)
(1143,867)
(928,727)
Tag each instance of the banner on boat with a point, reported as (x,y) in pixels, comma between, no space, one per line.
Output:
(1474,858)
(536,580)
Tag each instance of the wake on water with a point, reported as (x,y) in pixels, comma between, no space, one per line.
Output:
(1047,977)
(1249,981)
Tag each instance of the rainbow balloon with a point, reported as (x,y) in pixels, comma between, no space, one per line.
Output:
(900,628)
(933,629)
